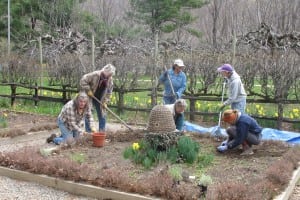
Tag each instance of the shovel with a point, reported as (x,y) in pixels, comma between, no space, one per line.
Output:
(116,116)
(218,131)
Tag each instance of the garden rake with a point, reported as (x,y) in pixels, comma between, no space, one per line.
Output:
(172,88)
(115,115)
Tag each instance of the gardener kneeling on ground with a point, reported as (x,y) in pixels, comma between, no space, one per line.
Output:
(243,130)
(71,119)
(177,110)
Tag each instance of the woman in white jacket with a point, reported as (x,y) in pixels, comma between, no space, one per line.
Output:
(236,92)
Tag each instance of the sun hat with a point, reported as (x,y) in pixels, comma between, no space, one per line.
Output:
(179,63)
(230,116)
(225,68)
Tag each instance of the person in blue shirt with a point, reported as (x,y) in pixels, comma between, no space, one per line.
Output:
(177,109)
(244,130)
(173,78)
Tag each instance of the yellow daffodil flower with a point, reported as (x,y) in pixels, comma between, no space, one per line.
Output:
(135,146)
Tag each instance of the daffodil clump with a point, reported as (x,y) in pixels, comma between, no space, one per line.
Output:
(186,150)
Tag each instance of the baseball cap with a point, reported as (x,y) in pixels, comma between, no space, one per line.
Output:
(179,63)
(225,68)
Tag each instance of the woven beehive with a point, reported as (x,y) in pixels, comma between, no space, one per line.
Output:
(161,120)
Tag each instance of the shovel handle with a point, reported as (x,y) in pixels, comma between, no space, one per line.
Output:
(172,88)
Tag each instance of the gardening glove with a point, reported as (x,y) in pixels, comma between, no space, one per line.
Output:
(104,106)
(224,143)
(90,93)
(93,130)
(221,107)
(222,148)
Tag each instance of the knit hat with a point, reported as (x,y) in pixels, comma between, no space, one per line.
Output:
(225,68)
(230,116)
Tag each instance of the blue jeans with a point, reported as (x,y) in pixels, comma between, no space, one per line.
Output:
(65,133)
(241,106)
(101,117)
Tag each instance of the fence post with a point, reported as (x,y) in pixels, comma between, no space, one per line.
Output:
(13,88)
(192,109)
(36,97)
(64,96)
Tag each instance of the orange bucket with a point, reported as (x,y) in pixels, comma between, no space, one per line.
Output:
(98,139)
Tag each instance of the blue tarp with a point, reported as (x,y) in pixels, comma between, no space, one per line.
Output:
(267,133)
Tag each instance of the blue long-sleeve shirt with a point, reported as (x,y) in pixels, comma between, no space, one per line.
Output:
(178,82)
(244,125)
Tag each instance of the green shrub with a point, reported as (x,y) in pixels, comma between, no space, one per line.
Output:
(144,153)
(176,173)
(188,149)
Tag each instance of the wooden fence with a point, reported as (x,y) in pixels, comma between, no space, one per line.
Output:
(35,94)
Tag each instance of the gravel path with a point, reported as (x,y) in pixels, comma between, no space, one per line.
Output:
(13,189)
(21,190)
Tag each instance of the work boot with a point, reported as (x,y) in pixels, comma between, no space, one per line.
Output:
(247,151)
(51,138)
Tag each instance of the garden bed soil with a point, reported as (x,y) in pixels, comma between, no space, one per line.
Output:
(107,163)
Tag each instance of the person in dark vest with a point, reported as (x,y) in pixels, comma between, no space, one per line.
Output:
(99,85)
(244,130)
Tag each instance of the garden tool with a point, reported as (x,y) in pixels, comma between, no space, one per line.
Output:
(218,131)
(172,88)
(115,115)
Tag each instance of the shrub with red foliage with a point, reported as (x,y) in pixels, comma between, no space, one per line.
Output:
(228,190)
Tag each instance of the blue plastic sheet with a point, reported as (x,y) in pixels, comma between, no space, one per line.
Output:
(267,133)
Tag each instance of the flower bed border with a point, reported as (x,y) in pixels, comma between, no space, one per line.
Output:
(98,192)
(71,187)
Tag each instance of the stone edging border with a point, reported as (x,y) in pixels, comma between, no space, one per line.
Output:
(289,190)
(71,187)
